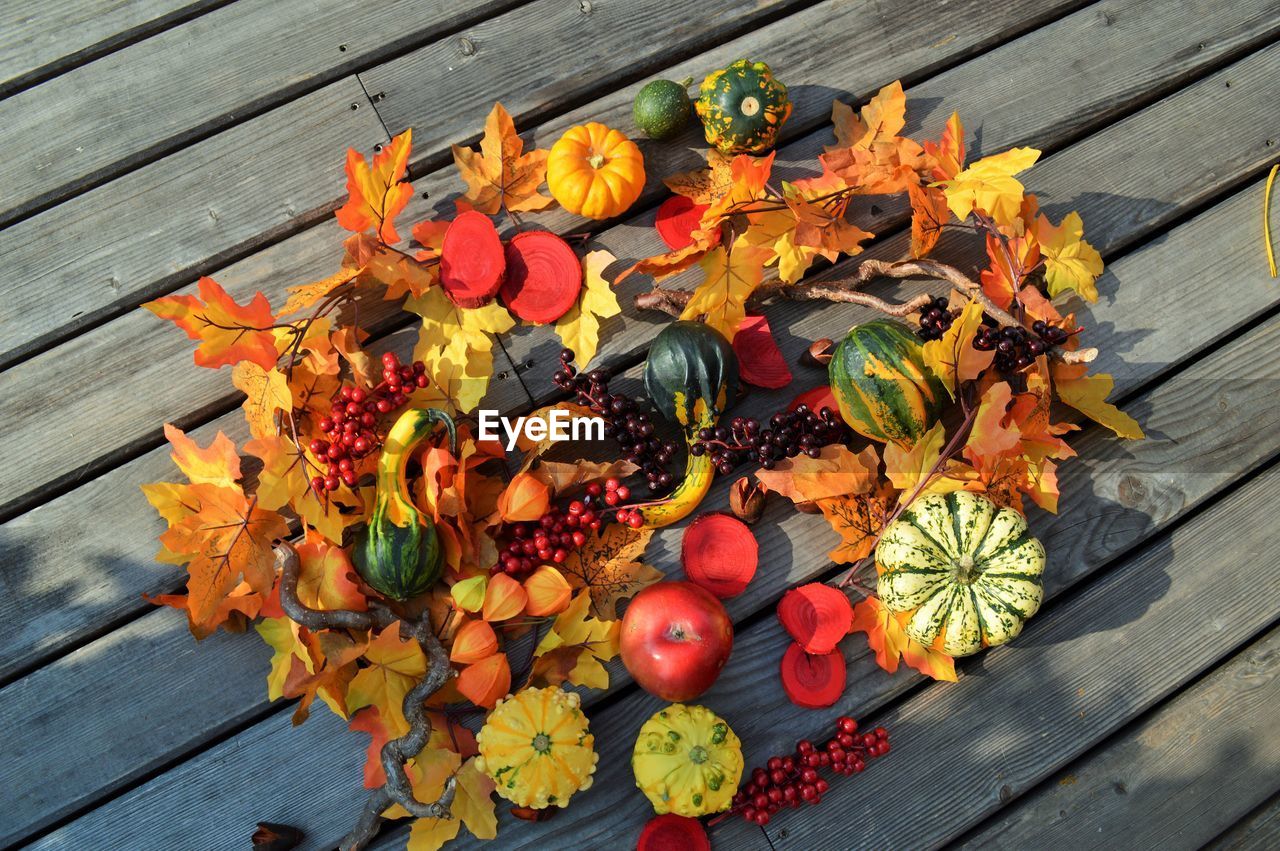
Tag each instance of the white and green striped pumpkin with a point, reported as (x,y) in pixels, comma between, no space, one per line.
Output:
(963,571)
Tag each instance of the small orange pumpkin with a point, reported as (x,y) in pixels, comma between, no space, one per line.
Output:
(595,171)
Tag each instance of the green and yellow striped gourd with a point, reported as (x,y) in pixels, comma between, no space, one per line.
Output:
(963,572)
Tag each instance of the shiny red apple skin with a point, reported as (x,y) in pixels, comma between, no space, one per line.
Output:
(676,637)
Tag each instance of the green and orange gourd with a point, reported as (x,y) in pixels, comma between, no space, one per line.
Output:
(692,377)
(881,384)
(398,553)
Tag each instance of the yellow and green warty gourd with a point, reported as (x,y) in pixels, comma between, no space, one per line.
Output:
(687,761)
(399,553)
(536,747)
(964,572)
(691,375)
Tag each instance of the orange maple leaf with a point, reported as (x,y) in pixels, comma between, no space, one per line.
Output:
(929,212)
(888,640)
(228,332)
(857,519)
(377,194)
(501,175)
(326,576)
(948,152)
(217,464)
(835,472)
(227,537)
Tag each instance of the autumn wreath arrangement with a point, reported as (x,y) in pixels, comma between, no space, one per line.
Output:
(454,603)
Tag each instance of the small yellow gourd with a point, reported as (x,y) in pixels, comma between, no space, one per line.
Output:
(536,747)
(687,761)
(595,171)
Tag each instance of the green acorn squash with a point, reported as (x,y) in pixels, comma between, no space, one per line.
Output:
(884,390)
(963,572)
(742,108)
(692,376)
(399,552)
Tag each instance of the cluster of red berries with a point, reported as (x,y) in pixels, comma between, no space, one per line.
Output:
(789,781)
(353,415)
(561,530)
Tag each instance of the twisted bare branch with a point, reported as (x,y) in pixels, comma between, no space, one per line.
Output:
(398,789)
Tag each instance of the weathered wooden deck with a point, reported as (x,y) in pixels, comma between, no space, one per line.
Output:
(151,141)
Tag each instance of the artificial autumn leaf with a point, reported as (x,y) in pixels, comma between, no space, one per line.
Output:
(266,391)
(227,537)
(428,772)
(990,436)
(473,801)
(857,519)
(989,186)
(548,591)
(730,277)
(575,646)
(306,295)
(474,640)
(430,235)
(929,212)
(1088,394)
(235,611)
(395,666)
(1070,263)
(835,472)
(952,358)
(948,152)
(883,117)
(673,262)
(606,565)
(326,576)
(749,180)
(228,332)
(500,175)
(889,641)
(282,635)
(456,344)
(334,655)
(369,720)
(377,194)
(825,229)
(469,594)
(486,682)
(504,598)
(908,467)
(579,328)
(217,464)
(532,449)
(704,185)
(1003,281)
(563,477)
(524,499)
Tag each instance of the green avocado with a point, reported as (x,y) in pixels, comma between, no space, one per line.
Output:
(662,108)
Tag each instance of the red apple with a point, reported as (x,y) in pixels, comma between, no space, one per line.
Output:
(676,636)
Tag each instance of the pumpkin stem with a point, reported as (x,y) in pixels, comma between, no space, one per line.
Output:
(698,754)
(596,160)
(965,574)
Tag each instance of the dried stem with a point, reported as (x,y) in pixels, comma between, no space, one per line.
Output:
(398,789)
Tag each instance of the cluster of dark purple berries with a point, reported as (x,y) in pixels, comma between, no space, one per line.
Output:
(787,434)
(1015,347)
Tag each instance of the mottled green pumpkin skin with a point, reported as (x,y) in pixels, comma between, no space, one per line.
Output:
(965,572)
(691,376)
(880,381)
(742,108)
(398,553)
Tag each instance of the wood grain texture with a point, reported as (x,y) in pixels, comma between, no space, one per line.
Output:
(40,40)
(153,97)
(1127,492)
(1080,671)
(180,203)
(1174,780)
(1259,831)
(69,569)
(116,709)
(1119,60)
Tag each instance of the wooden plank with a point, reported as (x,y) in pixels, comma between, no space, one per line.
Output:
(39,41)
(1124,57)
(1194,767)
(1127,492)
(169,202)
(1260,831)
(155,96)
(93,721)
(69,573)
(81,365)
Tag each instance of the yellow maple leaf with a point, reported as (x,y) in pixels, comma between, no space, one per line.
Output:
(883,117)
(1088,394)
(576,645)
(456,345)
(989,186)
(704,185)
(266,391)
(730,277)
(606,564)
(377,193)
(217,464)
(428,772)
(395,667)
(282,635)
(1070,263)
(579,329)
(906,468)
(500,174)
(952,358)
(306,295)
